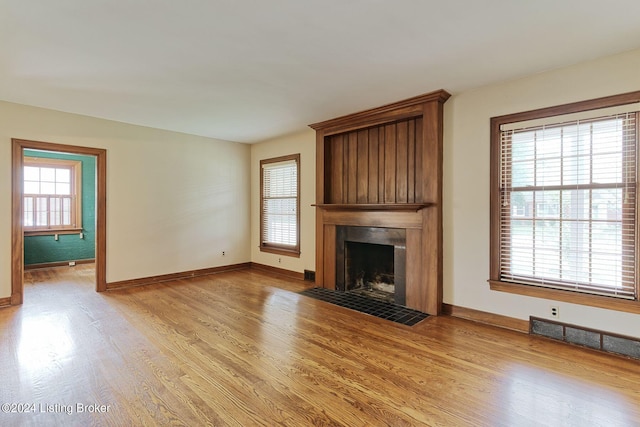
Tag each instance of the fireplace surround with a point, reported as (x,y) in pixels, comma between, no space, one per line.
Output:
(382,168)
(372,262)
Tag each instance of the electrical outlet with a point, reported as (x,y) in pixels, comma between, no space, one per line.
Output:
(72,263)
(555,311)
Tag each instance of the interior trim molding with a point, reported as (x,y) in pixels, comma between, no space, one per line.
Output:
(5,302)
(610,303)
(143,281)
(483,317)
(276,270)
(17,231)
(58,263)
(411,107)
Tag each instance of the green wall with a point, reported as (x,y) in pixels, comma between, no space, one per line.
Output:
(68,247)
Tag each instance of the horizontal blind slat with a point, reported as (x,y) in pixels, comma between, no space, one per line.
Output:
(567,217)
(279,204)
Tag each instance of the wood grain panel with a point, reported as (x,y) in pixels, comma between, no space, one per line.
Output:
(352,167)
(17,232)
(101,218)
(418,162)
(323,148)
(394,219)
(363,167)
(319,246)
(411,161)
(337,171)
(345,168)
(430,297)
(373,169)
(414,268)
(432,153)
(329,266)
(402,174)
(390,163)
(382,185)
(409,207)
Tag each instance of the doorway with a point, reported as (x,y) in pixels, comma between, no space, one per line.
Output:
(17,210)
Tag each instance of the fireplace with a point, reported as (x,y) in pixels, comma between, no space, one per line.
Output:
(381,170)
(371,261)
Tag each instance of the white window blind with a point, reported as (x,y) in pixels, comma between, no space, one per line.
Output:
(280,204)
(568,205)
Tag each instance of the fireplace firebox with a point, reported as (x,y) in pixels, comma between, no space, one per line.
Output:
(371,261)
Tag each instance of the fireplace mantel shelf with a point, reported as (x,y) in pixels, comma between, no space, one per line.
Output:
(412,207)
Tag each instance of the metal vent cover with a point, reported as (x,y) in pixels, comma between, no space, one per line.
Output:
(585,337)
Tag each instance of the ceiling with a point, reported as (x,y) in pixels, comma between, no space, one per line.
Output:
(250,70)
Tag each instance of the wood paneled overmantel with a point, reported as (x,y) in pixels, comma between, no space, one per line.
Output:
(383,168)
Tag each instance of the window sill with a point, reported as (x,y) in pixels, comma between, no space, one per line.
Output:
(52,231)
(280,251)
(610,303)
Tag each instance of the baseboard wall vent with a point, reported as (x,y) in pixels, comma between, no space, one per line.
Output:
(585,337)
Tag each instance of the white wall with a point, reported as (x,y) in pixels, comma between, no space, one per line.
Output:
(466,184)
(305,144)
(174,201)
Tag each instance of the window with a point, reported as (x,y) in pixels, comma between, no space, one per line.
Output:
(279,205)
(51,195)
(564,201)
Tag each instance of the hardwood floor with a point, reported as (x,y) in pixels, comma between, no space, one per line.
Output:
(242,348)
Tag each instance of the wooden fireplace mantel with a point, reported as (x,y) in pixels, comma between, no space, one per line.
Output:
(383,168)
(414,207)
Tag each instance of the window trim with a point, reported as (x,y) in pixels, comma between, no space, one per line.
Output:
(76,193)
(612,303)
(275,248)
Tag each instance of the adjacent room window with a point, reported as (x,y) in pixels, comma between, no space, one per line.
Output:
(564,200)
(280,205)
(51,195)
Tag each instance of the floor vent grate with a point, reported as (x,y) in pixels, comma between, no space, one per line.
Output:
(585,337)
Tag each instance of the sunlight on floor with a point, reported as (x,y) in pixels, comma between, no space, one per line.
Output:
(45,341)
(553,397)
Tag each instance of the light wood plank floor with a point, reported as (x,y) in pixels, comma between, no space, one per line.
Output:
(243,349)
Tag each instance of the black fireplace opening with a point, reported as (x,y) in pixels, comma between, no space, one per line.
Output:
(371,261)
(369,270)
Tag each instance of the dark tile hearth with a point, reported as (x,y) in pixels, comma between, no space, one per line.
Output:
(384,310)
